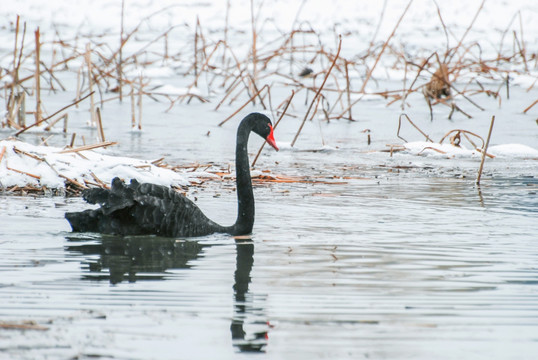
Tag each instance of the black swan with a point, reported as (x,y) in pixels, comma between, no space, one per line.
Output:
(137,209)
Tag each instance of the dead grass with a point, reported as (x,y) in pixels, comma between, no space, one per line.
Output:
(332,87)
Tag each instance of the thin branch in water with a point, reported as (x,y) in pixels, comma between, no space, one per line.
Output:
(243,106)
(318,92)
(47,118)
(484,150)
(412,123)
(276,124)
(384,47)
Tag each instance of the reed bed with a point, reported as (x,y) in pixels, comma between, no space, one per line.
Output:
(328,71)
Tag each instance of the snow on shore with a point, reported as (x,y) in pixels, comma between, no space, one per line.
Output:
(23,164)
(450,151)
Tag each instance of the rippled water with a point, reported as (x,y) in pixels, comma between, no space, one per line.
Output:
(400,257)
(391,267)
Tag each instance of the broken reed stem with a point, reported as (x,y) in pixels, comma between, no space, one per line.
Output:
(466,31)
(2,153)
(412,123)
(196,51)
(379,23)
(79,75)
(88,147)
(530,106)
(120,53)
(319,91)
(254,48)
(66,118)
(15,48)
(484,150)
(55,121)
(133,108)
(24,173)
(100,126)
(274,127)
(15,75)
(384,47)
(48,117)
(348,89)
(90,81)
(243,106)
(21,108)
(226,18)
(38,114)
(140,93)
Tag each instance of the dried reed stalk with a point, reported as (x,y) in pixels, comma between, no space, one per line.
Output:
(254,47)
(38,111)
(274,127)
(73,182)
(24,326)
(318,92)
(88,57)
(133,108)
(88,147)
(412,123)
(484,151)
(22,152)
(466,32)
(55,121)
(369,74)
(530,106)
(140,95)
(100,126)
(243,106)
(24,173)
(48,117)
(120,54)
(2,153)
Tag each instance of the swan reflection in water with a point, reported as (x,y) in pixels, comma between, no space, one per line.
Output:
(139,258)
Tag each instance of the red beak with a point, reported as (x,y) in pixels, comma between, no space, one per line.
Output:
(271,139)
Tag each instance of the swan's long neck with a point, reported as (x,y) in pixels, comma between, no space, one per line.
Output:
(245,196)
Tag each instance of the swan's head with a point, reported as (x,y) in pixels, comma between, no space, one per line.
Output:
(264,128)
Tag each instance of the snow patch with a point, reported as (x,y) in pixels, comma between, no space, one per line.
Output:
(448,150)
(25,164)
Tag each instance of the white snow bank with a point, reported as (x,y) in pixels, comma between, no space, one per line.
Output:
(450,151)
(513,150)
(25,164)
(174,90)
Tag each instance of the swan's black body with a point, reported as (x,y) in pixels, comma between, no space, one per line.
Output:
(154,209)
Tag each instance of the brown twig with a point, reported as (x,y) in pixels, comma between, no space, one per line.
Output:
(274,127)
(24,173)
(484,151)
(412,123)
(2,153)
(38,112)
(100,126)
(88,147)
(319,91)
(245,104)
(48,117)
(384,47)
(530,106)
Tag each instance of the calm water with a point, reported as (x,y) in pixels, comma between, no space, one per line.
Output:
(396,267)
(399,257)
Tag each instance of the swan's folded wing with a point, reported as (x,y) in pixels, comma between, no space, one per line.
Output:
(119,196)
(161,210)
